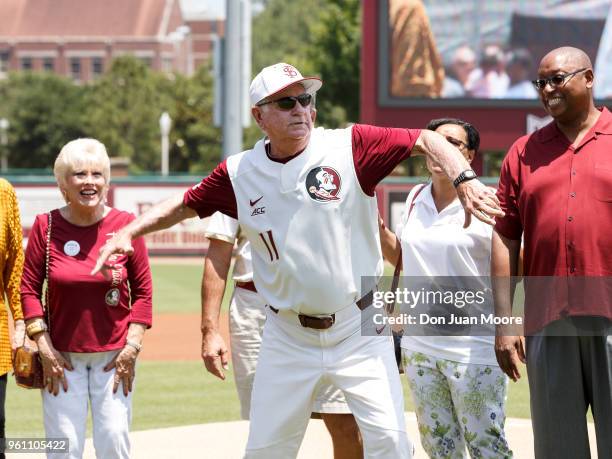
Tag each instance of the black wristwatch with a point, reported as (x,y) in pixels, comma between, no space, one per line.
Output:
(466,175)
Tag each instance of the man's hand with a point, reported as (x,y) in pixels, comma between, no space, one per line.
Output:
(124,364)
(214,353)
(120,243)
(479,200)
(18,335)
(509,351)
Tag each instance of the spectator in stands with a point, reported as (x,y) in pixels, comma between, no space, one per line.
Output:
(462,66)
(11,266)
(90,330)
(490,80)
(520,69)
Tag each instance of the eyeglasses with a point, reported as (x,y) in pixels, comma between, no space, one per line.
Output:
(555,81)
(287,103)
(456,142)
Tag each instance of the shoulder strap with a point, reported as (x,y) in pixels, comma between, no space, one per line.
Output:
(47,258)
(414,196)
(398,263)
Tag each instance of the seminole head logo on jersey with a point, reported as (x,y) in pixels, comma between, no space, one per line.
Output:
(323,184)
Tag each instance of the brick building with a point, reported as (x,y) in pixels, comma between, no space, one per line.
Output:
(207,25)
(78,38)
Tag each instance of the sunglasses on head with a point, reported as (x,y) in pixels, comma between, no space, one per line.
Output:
(555,81)
(287,103)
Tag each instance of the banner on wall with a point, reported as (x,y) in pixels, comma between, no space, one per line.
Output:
(186,238)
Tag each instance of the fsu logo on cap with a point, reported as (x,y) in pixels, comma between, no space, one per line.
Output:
(323,184)
(290,71)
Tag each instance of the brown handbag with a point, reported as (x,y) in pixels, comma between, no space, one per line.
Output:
(27,365)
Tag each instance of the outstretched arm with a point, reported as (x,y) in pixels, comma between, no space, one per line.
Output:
(161,216)
(476,198)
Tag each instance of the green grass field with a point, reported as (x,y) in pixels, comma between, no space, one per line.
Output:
(171,394)
(181,393)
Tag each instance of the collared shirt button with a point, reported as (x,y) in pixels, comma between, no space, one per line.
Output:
(572,269)
(573,194)
(570,218)
(573,171)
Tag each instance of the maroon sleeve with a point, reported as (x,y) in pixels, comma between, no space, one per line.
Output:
(377,150)
(34,269)
(510,225)
(214,193)
(141,284)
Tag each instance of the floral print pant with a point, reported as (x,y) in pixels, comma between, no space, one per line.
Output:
(458,406)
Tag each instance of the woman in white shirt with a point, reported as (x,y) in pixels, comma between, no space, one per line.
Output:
(458,389)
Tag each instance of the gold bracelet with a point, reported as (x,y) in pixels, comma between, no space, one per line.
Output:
(35,328)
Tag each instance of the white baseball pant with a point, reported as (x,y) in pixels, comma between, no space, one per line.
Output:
(294,362)
(65,415)
(247,316)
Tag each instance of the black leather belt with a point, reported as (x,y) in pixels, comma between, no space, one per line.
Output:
(325,322)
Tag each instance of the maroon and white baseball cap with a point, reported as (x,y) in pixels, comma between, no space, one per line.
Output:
(277,77)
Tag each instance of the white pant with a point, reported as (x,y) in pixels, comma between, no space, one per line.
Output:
(66,415)
(295,362)
(247,316)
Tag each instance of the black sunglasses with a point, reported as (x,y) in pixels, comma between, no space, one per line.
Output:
(555,81)
(287,103)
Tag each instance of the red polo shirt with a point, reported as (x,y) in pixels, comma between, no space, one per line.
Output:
(559,198)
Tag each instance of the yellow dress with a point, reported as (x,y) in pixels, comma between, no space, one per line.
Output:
(11,264)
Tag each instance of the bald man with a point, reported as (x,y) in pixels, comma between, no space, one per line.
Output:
(556,191)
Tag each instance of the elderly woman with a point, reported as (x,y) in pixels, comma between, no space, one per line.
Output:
(458,388)
(90,331)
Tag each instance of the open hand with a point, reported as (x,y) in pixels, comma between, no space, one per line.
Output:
(124,364)
(478,200)
(215,353)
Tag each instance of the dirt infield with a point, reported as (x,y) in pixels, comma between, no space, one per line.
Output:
(177,337)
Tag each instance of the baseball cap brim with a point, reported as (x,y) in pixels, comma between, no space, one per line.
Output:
(310,84)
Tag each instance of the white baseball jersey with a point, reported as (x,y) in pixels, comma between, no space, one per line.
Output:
(227,229)
(313,230)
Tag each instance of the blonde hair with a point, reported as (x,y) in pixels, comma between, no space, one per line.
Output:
(81,153)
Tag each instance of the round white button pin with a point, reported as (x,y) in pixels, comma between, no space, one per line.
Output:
(72,248)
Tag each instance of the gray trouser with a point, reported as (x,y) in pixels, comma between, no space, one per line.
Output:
(567,374)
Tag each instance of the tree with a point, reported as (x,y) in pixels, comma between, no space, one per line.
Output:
(281,33)
(45,112)
(320,38)
(195,144)
(335,54)
(123,112)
